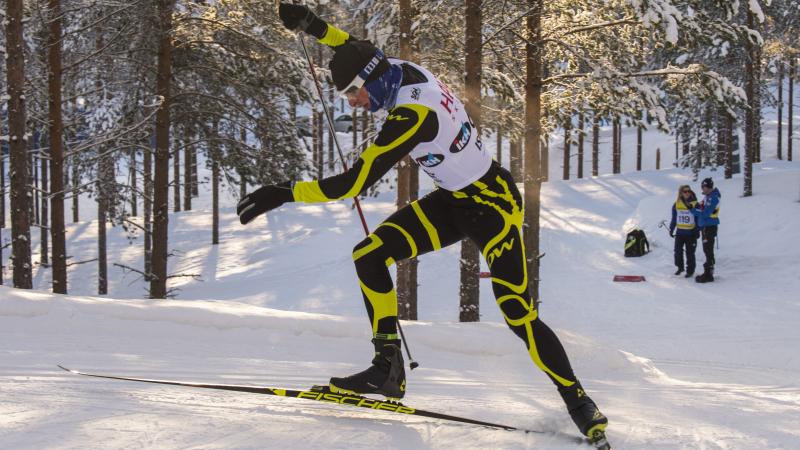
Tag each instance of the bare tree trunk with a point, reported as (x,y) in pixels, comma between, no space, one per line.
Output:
(318,143)
(45,228)
(780,110)
(658,159)
(515,159)
(757,104)
(750,114)
(2,204)
(617,129)
(2,191)
(544,159)
(215,155)
(619,146)
(105,180)
(176,176)
(102,254)
(532,179)
(320,130)
(499,145)
(242,186)
(595,144)
(698,155)
(613,146)
(331,131)
(729,125)
(469,291)
(565,162)
(314,142)
(406,191)
(790,107)
(187,178)
(3,151)
(147,205)
(638,147)
(133,163)
(705,150)
(34,184)
(581,125)
(20,202)
(242,178)
(364,127)
(158,283)
(355,128)
(76,182)
(722,138)
(195,180)
(685,140)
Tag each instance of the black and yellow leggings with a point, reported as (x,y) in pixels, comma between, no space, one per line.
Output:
(490,213)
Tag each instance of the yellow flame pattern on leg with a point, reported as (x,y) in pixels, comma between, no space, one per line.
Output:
(494,249)
(384,304)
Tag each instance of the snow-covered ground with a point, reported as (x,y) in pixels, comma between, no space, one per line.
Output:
(674,364)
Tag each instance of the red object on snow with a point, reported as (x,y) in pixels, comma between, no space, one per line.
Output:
(485,275)
(631,278)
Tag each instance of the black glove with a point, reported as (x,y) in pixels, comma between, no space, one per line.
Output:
(299,16)
(262,200)
(671,234)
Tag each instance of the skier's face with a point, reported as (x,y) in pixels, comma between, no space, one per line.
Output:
(359,98)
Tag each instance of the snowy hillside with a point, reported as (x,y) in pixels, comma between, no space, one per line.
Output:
(674,364)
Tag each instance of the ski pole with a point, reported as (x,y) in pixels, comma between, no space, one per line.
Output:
(663,224)
(412,364)
(332,129)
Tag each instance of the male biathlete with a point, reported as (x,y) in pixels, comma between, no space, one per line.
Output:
(475,198)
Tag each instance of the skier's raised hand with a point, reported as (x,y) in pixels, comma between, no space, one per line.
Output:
(262,200)
(299,16)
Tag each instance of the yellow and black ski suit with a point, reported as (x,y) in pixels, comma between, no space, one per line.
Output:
(488,211)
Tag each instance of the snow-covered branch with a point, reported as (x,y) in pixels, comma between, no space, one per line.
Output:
(115,133)
(597,26)
(508,24)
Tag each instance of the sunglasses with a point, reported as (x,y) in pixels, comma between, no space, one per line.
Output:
(352,88)
(686,192)
(361,78)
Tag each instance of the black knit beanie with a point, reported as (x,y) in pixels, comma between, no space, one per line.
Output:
(352,58)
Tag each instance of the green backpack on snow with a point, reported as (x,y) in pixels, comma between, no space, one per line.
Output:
(636,243)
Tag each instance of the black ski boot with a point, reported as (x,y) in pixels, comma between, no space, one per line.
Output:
(706,277)
(584,412)
(679,271)
(386,375)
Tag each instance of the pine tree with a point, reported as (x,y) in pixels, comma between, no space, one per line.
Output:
(56,131)
(751,116)
(20,203)
(469,310)
(407,180)
(567,148)
(533,136)
(158,282)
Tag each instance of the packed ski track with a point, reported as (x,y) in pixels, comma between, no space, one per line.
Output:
(672,363)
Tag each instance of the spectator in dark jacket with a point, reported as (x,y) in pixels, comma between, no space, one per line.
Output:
(687,232)
(707,215)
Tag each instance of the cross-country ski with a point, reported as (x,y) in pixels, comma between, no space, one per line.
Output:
(399,224)
(324,394)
